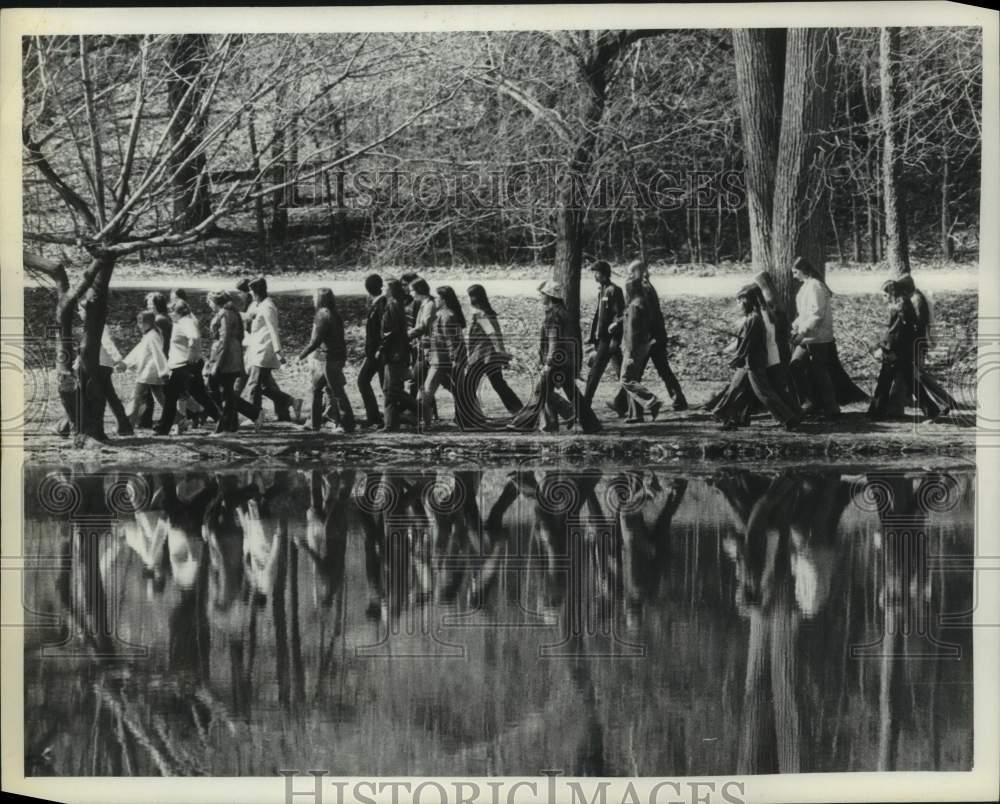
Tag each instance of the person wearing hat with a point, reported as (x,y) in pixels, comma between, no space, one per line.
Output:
(605,328)
(750,362)
(558,355)
(637,269)
(394,354)
(264,356)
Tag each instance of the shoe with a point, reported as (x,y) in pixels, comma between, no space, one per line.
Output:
(337,430)
(654,409)
(160,432)
(611,406)
(297,411)
(259,421)
(680,405)
(127,432)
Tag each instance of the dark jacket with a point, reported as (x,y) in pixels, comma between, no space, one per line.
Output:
(898,339)
(226,354)
(607,322)
(327,339)
(657,326)
(373,325)
(636,335)
(751,345)
(394,342)
(165,325)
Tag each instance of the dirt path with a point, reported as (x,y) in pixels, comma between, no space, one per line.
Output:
(685,440)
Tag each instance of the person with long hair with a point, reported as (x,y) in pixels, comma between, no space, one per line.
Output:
(224,366)
(448,356)
(420,320)
(812,335)
(779,345)
(372,365)
(636,343)
(393,352)
(487,353)
(184,362)
(750,363)
(896,382)
(328,347)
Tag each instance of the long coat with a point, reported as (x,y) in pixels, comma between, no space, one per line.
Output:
(226,355)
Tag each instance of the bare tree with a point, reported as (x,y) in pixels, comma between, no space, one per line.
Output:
(141,143)
(897,247)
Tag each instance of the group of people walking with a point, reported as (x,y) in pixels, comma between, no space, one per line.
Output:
(416,343)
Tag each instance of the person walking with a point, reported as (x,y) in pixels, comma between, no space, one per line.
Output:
(922,344)
(264,356)
(637,269)
(393,353)
(448,359)
(812,337)
(148,361)
(605,329)
(420,321)
(157,304)
(184,362)
(371,367)
(559,361)
(779,345)
(636,343)
(750,362)
(99,386)
(487,353)
(328,348)
(225,365)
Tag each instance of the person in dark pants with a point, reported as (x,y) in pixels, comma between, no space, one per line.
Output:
(99,389)
(185,375)
(897,379)
(394,354)
(636,343)
(658,352)
(487,354)
(329,350)
(605,329)
(750,362)
(264,356)
(812,336)
(224,366)
(559,356)
(371,367)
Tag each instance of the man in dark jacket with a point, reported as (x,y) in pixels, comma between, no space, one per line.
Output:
(329,349)
(394,354)
(605,329)
(372,367)
(658,350)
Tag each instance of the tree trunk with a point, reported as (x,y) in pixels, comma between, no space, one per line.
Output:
(947,244)
(760,76)
(799,222)
(191,203)
(90,405)
(897,247)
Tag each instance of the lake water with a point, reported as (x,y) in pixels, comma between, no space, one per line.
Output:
(499,621)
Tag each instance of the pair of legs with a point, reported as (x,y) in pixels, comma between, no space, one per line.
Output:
(184,380)
(811,366)
(658,357)
(558,379)
(396,398)
(261,383)
(100,394)
(895,386)
(640,399)
(224,390)
(370,369)
(143,397)
(605,352)
(746,386)
(329,376)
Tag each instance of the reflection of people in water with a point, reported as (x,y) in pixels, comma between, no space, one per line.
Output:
(785,561)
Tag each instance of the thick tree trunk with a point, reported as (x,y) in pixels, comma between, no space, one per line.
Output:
(897,247)
(799,222)
(191,203)
(760,75)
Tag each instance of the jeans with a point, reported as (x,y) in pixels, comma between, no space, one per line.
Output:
(223,387)
(329,376)
(640,399)
(604,353)
(142,399)
(658,355)
(396,398)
